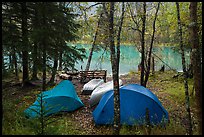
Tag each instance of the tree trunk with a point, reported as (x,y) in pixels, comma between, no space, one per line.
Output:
(15,62)
(93,45)
(116,125)
(10,62)
(190,67)
(118,36)
(150,50)
(189,130)
(25,67)
(54,71)
(44,51)
(3,70)
(115,70)
(13,56)
(143,45)
(35,61)
(153,65)
(90,56)
(35,49)
(60,61)
(25,43)
(196,56)
(44,67)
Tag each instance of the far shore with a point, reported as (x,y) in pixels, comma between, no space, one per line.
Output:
(131,44)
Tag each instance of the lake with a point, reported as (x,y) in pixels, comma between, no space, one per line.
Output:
(130,58)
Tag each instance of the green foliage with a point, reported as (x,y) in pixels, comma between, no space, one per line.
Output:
(51,24)
(166,26)
(173,128)
(35,126)
(14,123)
(60,28)
(131,130)
(72,55)
(132,72)
(17,124)
(57,24)
(66,126)
(11,35)
(43,123)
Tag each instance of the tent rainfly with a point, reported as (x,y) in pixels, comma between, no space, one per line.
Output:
(134,101)
(63,97)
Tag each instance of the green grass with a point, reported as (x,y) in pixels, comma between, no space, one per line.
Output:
(171,93)
(15,123)
(132,72)
(174,87)
(172,128)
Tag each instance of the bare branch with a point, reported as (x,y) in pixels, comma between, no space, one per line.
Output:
(131,13)
(105,9)
(93,5)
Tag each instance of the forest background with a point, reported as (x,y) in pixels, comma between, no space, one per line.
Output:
(35,35)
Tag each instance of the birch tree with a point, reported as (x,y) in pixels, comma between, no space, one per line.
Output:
(143,44)
(147,72)
(115,58)
(94,43)
(189,130)
(116,124)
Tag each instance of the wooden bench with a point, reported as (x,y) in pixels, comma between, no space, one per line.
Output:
(88,75)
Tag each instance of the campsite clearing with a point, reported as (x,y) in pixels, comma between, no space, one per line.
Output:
(170,92)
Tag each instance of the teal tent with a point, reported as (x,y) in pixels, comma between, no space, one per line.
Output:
(63,97)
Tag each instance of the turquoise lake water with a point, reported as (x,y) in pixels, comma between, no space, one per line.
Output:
(130,57)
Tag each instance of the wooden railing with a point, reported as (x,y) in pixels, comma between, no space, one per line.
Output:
(88,75)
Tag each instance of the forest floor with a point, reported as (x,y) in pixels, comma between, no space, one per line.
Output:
(169,90)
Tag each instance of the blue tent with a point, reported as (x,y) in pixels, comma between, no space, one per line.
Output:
(134,99)
(63,97)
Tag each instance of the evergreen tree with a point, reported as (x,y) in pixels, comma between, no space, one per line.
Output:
(25,44)
(10,37)
(44,30)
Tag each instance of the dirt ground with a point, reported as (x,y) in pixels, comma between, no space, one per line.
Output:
(84,114)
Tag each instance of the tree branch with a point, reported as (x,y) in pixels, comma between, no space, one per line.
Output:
(105,10)
(93,5)
(131,13)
